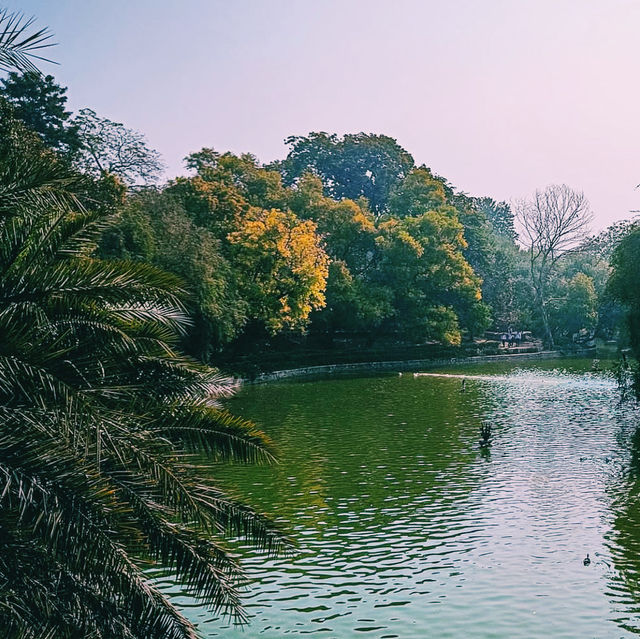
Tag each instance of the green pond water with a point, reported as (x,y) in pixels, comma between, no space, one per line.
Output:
(407,528)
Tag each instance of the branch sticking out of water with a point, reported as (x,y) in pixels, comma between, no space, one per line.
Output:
(485,435)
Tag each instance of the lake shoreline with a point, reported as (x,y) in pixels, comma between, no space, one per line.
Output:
(331,370)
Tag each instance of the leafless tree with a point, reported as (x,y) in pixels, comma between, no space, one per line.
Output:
(110,147)
(553,223)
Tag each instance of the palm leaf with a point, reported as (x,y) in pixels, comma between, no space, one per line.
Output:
(102,424)
(20,44)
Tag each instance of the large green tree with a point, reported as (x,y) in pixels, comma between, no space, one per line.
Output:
(499,215)
(352,166)
(154,227)
(575,307)
(435,288)
(101,418)
(459,231)
(40,103)
(489,236)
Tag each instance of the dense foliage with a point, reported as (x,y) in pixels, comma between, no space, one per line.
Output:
(429,264)
(346,238)
(102,419)
(41,104)
(623,284)
(356,165)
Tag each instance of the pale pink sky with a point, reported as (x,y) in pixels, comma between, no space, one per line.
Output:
(498,96)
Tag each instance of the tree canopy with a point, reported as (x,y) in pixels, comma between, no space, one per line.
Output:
(351,166)
(41,104)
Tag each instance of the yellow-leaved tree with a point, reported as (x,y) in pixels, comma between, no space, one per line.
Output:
(281,267)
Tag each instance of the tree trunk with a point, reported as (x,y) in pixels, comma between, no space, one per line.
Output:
(547,329)
(539,294)
(539,280)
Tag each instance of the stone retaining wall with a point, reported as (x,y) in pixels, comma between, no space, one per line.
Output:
(405,365)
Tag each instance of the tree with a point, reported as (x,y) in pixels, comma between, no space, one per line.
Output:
(604,243)
(110,147)
(258,185)
(500,217)
(19,44)
(421,261)
(99,416)
(282,269)
(623,284)
(489,236)
(419,192)
(155,228)
(40,103)
(576,307)
(495,258)
(224,188)
(352,166)
(553,222)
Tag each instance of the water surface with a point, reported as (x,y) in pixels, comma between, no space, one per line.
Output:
(407,527)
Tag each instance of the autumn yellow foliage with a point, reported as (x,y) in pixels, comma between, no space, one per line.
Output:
(283,267)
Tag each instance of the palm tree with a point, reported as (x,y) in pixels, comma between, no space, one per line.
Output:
(20,45)
(102,424)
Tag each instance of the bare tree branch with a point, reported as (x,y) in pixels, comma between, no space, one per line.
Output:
(112,148)
(553,223)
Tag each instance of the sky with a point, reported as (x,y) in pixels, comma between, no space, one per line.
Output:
(501,97)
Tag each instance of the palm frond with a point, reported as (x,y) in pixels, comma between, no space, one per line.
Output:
(199,427)
(20,44)
(102,424)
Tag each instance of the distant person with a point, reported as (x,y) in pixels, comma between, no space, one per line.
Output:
(503,339)
(518,338)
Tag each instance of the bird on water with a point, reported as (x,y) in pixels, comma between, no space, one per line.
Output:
(586,561)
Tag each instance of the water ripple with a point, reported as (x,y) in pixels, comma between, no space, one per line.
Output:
(407,527)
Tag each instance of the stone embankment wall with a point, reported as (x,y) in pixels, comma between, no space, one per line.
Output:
(407,365)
